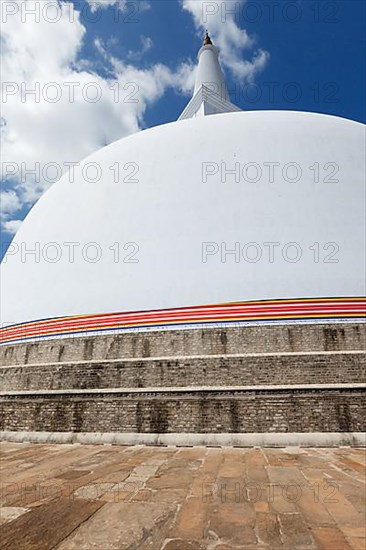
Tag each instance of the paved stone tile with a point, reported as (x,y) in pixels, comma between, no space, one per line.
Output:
(285,475)
(350,465)
(44,527)
(279,502)
(349,520)
(358,456)
(329,538)
(256,463)
(175,496)
(8,513)
(56,464)
(261,506)
(93,492)
(182,544)
(357,544)
(191,520)
(119,526)
(352,492)
(268,529)
(205,484)
(170,498)
(73,474)
(294,531)
(313,510)
(233,523)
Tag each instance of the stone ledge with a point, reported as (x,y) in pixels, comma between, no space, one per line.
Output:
(317,439)
(175,390)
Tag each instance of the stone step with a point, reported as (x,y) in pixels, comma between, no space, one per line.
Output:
(273,338)
(208,370)
(289,409)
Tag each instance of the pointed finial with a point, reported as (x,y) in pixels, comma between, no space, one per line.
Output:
(207,41)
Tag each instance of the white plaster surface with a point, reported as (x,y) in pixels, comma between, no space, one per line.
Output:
(209,72)
(170,211)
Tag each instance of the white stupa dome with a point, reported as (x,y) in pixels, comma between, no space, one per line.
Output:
(283,191)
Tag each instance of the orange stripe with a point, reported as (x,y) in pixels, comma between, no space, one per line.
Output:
(308,308)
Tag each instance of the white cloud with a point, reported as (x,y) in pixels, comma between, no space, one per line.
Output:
(11,226)
(43,56)
(221,18)
(9,203)
(95,4)
(134,7)
(144,5)
(146,45)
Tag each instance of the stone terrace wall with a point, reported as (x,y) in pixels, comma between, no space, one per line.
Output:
(138,382)
(213,412)
(204,341)
(325,368)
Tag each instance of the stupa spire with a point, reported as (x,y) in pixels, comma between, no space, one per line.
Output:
(209,72)
(207,40)
(210,95)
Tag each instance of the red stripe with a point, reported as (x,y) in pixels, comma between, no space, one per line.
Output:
(56,327)
(198,309)
(164,315)
(269,310)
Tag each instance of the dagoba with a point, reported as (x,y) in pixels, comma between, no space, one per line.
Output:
(228,245)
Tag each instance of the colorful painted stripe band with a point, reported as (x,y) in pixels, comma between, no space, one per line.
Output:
(326,309)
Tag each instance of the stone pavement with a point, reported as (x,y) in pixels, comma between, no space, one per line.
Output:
(73,497)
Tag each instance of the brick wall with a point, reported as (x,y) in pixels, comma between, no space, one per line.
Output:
(190,358)
(204,341)
(207,412)
(329,368)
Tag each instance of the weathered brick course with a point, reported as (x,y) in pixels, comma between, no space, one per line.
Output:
(271,355)
(205,341)
(206,412)
(327,368)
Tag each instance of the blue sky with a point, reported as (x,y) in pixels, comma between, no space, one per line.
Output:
(295,55)
(321,50)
